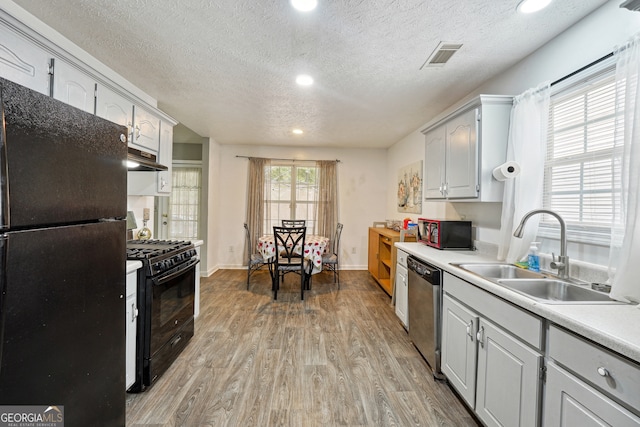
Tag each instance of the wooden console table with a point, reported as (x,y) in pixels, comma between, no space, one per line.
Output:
(382,255)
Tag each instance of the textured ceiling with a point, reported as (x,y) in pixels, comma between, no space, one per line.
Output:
(226,68)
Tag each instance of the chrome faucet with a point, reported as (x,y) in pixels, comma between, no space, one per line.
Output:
(562,264)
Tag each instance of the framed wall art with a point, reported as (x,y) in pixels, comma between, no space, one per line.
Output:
(410,188)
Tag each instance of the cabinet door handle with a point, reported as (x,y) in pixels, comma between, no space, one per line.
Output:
(134,312)
(603,372)
(480,336)
(469,333)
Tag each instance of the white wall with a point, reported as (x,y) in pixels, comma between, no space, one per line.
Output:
(593,37)
(137,204)
(362,189)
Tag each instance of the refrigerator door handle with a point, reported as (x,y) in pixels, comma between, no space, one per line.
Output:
(4,172)
(3,288)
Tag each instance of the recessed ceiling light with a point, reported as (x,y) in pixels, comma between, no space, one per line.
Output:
(304,80)
(304,5)
(530,6)
(297,131)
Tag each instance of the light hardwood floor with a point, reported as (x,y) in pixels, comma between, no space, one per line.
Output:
(338,358)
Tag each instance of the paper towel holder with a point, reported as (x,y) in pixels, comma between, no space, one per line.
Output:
(507,170)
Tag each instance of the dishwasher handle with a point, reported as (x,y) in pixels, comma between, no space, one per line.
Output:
(428,272)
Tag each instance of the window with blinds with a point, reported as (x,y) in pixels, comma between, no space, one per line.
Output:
(291,192)
(579,180)
(184,202)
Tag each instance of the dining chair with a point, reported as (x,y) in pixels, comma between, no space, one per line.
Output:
(287,239)
(294,223)
(255,261)
(330,259)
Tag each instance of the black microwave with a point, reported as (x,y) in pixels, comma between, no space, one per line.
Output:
(445,234)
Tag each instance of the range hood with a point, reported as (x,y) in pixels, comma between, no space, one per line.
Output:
(138,160)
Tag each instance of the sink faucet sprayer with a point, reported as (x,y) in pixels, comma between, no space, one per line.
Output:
(562,264)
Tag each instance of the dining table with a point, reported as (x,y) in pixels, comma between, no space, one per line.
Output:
(314,247)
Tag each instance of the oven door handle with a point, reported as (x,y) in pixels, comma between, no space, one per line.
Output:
(173,274)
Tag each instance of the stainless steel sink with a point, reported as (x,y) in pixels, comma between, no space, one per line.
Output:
(552,291)
(539,286)
(500,271)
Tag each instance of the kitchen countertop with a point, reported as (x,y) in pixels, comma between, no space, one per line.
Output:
(614,326)
(133,266)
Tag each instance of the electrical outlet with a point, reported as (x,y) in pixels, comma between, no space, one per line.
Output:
(230,248)
(353,250)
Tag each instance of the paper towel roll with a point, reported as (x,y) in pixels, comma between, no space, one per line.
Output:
(507,170)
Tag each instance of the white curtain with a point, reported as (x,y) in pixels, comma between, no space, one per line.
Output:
(625,236)
(527,145)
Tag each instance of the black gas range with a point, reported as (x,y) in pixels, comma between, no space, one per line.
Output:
(160,256)
(166,293)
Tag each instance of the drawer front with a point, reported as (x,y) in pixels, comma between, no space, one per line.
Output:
(522,324)
(402,271)
(606,370)
(572,402)
(402,258)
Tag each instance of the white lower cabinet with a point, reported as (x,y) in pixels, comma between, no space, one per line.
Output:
(588,385)
(572,402)
(495,370)
(131,321)
(508,382)
(459,352)
(401,288)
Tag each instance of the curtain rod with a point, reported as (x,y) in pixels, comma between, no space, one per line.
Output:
(597,61)
(292,160)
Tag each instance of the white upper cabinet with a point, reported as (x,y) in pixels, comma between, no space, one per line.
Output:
(29,59)
(114,107)
(434,177)
(155,183)
(23,62)
(72,86)
(462,149)
(146,130)
(165,157)
(461,156)
(144,126)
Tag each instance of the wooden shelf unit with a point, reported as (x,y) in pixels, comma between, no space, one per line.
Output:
(382,256)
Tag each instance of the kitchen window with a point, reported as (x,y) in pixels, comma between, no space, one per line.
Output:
(184,203)
(291,192)
(579,179)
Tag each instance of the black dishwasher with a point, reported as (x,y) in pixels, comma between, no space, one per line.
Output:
(425,311)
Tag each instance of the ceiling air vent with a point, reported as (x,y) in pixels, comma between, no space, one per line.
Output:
(441,54)
(631,5)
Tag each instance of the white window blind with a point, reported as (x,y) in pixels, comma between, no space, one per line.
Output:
(579,180)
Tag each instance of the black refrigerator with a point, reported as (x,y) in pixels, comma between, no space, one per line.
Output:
(63,197)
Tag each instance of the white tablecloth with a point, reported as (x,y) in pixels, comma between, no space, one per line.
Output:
(314,247)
